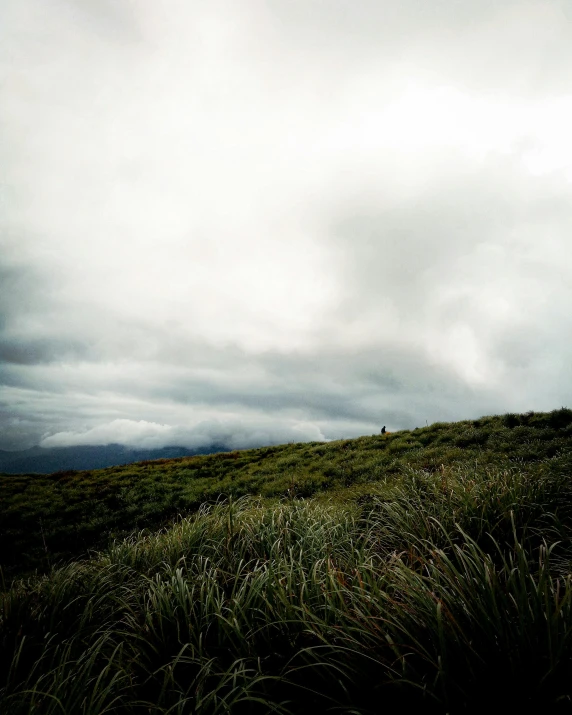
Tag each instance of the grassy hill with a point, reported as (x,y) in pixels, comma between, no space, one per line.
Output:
(426,568)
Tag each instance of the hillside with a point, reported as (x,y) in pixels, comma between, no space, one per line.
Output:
(426,568)
(48,518)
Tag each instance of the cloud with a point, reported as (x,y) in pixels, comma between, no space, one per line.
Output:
(233,435)
(127,432)
(326,214)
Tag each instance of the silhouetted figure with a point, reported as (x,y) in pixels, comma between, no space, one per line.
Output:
(383,430)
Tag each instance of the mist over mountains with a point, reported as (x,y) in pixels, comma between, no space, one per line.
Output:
(43,460)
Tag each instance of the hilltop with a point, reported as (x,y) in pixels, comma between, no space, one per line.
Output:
(426,568)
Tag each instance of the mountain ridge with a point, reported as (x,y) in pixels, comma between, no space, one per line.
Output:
(47,460)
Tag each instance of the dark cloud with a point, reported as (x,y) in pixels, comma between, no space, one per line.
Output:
(34,352)
(335,394)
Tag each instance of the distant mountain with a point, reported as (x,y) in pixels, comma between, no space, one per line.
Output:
(45,461)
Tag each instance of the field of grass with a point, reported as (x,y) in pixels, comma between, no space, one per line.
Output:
(428,568)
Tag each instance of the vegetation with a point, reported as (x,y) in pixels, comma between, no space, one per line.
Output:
(50,518)
(424,568)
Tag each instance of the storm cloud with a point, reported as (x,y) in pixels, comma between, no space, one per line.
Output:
(289,220)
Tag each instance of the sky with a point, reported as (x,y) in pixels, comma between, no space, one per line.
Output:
(258,222)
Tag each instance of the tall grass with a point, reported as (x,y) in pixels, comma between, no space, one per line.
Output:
(444,590)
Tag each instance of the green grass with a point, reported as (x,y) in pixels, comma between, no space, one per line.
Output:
(424,569)
(50,518)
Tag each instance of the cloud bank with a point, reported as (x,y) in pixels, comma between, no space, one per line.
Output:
(234,435)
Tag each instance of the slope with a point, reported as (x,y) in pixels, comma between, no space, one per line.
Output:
(49,518)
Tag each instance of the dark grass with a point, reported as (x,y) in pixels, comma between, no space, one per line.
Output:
(306,606)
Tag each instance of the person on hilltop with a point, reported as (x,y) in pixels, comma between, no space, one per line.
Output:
(383,430)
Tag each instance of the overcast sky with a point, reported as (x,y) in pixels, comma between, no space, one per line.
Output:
(272,220)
